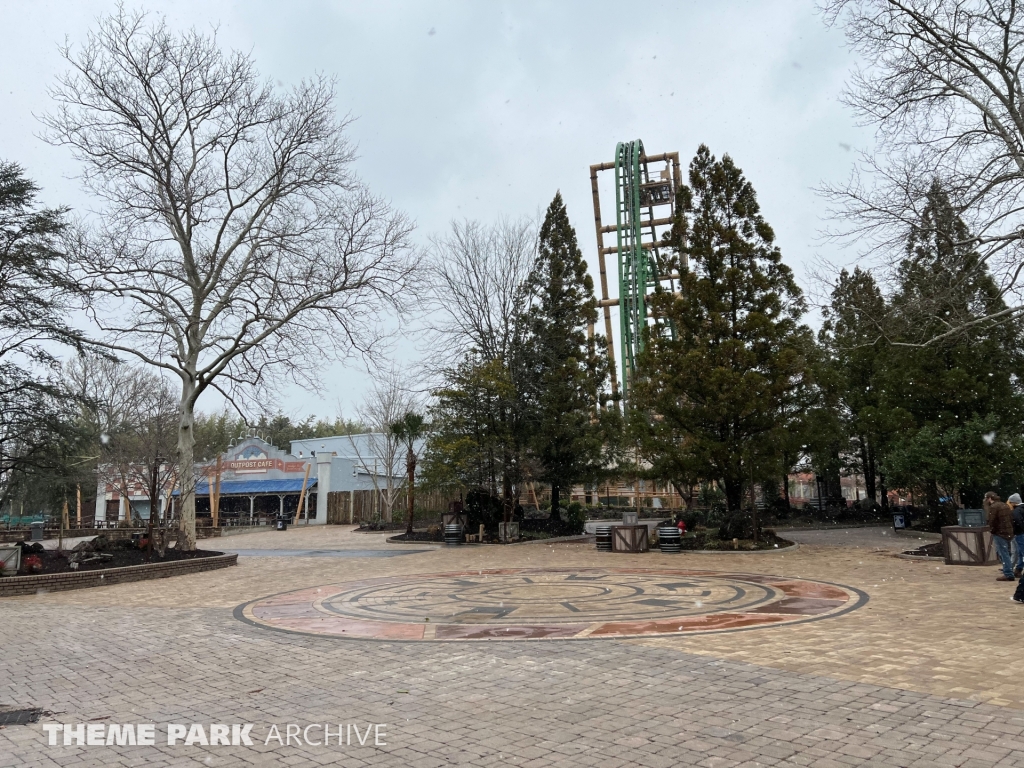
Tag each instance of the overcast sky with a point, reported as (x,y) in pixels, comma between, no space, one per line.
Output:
(485,109)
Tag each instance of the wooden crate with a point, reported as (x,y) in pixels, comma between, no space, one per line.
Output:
(968,546)
(629,538)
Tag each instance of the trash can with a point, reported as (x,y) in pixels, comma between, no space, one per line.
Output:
(899,522)
(670,539)
(604,538)
(37,531)
(282,523)
(453,534)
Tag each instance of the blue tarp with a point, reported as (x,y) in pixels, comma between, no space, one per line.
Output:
(254,487)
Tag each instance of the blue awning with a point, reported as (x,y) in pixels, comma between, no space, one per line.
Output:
(254,487)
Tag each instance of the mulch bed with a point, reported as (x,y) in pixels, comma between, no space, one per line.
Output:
(928,550)
(419,536)
(54,561)
(708,540)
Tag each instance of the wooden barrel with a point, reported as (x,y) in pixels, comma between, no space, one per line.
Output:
(453,534)
(604,538)
(670,539)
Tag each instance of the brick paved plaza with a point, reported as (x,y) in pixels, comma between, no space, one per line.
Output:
(926,672)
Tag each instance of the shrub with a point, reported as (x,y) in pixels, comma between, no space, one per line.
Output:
(739,525)
(574,519)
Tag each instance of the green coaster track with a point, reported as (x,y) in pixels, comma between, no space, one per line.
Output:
(638,265)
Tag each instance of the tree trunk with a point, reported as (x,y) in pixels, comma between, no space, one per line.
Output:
(733,494)
(785,489)
(506,498)
(932,499)
(186,465)
(869,473)
(883,492)
(555,514)
(410,466)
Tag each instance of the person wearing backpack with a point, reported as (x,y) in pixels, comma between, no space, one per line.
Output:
(1018,534)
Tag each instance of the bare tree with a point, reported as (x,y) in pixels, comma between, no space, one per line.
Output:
(478,274)
(235,242)
(479,279)
(386,404)
(132,415)
(941,85)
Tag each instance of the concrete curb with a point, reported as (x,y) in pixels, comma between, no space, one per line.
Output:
(790,548)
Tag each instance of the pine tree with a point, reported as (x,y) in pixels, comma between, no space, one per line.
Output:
(948,392)
(711,402)
(566,370)
(855,340)
(473,440)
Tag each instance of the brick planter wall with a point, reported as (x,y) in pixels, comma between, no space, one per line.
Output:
(24,534)
(57,582)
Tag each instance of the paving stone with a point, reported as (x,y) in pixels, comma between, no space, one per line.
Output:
(860,689)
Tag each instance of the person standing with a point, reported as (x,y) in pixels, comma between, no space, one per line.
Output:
(1018,534)
(1000,523)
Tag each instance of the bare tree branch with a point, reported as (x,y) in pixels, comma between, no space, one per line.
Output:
(235,243)
(941,86)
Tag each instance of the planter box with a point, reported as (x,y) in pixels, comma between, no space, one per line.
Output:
(11,558)
(630,538)
(968,545)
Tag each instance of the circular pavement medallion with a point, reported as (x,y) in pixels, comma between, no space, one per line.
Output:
(550,604)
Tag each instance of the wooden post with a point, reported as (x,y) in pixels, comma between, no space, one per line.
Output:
(78,507)
(63,524)
(215,505)
(606,304)
(302,493)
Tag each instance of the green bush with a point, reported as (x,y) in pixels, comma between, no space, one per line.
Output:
(574,519)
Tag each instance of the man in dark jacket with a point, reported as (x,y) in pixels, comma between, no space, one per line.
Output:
(1000,522)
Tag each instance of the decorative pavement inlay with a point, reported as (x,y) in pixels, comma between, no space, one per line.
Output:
(550,604)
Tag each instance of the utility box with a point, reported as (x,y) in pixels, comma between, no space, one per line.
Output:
(37,531)
(970,518)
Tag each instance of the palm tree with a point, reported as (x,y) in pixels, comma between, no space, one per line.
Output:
(409,429)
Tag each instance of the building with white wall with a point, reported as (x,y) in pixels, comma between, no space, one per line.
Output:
(258,479)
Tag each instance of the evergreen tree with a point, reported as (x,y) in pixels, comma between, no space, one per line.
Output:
(954,397)
(37,412)
(711,402)
(473,443)
(855,339)
(565,369)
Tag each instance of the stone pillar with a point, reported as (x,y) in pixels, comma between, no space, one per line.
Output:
(323,485)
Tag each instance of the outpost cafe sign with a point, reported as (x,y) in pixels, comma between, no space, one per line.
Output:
(255,460)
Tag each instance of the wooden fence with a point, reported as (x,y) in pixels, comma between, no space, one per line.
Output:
(350,507)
